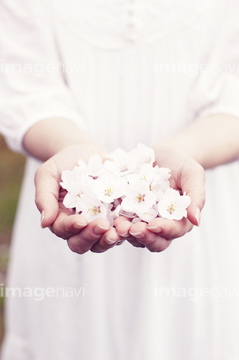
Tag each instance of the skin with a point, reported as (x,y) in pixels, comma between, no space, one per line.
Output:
(186,175)
(204,144)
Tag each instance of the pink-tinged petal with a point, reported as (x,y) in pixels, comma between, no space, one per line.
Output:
(138,198)
(108,188)
(173,205)
(149,215)
(95,166)
(93,209)
(70,201)
(144,154)
(120,163)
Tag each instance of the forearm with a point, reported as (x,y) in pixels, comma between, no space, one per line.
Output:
(47,137)
(210,141)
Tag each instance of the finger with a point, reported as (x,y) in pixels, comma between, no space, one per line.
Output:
(119,220)
(73,224)
(123,228)
(138,229)
(67,224)
(86,238)
(107,241)
(153,242)
(47,192)
(170,229)
(192,182)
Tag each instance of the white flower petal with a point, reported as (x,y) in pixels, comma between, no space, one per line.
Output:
(144,154)
(95,166)
(70,201)
(93,209)
(149,215)
(138,198)
(108,188)
(173,205)
(121,163)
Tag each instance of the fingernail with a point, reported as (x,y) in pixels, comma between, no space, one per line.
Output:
(139,235)
(79,225)
(110,241)
(125,234)
(155,229)
(99,229)
(42,217)
(198,216)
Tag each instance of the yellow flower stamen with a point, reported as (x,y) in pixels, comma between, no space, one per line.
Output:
(171,208)
(140,198)
(148,213)
(109,190)
(94,210)
(143,177)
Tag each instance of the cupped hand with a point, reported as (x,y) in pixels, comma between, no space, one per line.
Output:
(81,236)
(187,175)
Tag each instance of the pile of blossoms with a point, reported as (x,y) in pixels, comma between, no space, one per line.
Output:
(126,184)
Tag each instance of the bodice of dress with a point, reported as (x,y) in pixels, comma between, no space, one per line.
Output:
(119,23)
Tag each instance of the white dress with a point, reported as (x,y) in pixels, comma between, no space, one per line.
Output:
(128,72)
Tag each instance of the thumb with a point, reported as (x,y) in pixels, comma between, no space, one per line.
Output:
(46,196)
(193,183)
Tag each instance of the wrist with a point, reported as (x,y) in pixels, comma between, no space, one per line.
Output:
(211,141)
(167,148)
(48,137)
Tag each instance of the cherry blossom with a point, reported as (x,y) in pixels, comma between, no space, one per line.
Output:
(121,163)
(93,209)
(95,166)
(173,205)
(127,184)
(138,198)
(108,188)
(77,186)
(70,179)
(144,154)
(148,215)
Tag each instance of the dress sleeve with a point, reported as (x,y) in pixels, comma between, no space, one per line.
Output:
(32,83)
(216,87)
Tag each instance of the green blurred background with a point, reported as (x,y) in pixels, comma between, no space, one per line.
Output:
(11,172)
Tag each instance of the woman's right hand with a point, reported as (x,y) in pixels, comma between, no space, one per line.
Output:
(81,236)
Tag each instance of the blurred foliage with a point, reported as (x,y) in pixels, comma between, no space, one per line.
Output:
(11,172)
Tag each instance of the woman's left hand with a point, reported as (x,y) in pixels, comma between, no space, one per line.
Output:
(187,175)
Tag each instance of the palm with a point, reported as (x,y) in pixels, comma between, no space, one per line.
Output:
(186,176)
